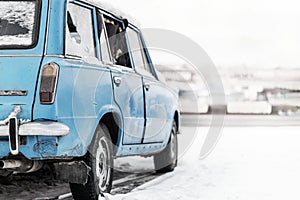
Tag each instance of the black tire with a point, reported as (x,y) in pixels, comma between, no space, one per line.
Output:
(100,159)
(166,161)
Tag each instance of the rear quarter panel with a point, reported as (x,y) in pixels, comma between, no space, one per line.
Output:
(84,95)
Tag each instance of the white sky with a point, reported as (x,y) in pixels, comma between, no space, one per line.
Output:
(255,33)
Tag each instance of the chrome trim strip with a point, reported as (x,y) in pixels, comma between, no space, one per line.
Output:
(56,56)
(73,57)
(13,92)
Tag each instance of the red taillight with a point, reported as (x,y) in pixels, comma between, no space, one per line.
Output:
(48,83)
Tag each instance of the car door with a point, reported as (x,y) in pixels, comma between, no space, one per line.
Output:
(159,104)
(158,99)
(128,85)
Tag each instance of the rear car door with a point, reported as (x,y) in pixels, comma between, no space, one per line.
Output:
(128,85)
(158,99)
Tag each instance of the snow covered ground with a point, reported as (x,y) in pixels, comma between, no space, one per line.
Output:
(248,163)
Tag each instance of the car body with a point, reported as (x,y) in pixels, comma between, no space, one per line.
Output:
(74,65)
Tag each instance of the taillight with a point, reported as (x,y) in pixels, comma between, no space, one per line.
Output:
(48,83)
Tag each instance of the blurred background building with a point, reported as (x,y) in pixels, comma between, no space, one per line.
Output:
(247,90)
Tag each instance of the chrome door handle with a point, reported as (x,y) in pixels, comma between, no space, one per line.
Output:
(147,87)
(117,81)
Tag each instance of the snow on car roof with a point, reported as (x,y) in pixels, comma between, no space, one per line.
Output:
(111,9)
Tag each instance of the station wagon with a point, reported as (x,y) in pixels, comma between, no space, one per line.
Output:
(78,89)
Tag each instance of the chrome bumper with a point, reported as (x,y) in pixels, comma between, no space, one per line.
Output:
(38,129)
(14,129)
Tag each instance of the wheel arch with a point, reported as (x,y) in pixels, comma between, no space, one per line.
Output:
(177,119)
(114,123)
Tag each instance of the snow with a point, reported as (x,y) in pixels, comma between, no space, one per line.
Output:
(248,163)
(134,164)
(285,101)
(249,107)
(186,106)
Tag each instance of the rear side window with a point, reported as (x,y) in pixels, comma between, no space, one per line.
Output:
(102,35)
(140,60)
(19,21)
(117,42)
(80,39)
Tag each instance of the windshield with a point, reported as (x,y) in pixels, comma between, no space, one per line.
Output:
(18,23)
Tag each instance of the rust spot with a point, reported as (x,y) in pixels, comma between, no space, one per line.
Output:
(46,148)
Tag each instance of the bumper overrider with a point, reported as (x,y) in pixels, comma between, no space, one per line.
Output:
(14,128)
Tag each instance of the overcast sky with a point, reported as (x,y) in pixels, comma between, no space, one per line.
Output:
(255,33)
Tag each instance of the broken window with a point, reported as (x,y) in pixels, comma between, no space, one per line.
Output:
(80,32)
(104,49)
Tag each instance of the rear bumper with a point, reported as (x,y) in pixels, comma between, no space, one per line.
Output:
(40,139)
(38,129)
(17,128)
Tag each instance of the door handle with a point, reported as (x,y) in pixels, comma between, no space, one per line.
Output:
(147,87)
(117,81)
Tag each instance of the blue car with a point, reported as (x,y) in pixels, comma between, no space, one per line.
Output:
(77,89)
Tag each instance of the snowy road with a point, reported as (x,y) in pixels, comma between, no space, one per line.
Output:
(42,186)
(242,120)
(248,163)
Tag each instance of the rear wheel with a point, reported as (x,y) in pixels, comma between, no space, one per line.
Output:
(100,159)
(166,161)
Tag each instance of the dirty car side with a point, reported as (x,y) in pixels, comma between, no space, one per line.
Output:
(51,101)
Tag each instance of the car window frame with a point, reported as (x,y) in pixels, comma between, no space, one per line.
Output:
(113,64)
(36,31)
(146,53)
(94,27)
(137,69)
(110,61)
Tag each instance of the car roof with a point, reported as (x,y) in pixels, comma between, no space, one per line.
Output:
(114,11)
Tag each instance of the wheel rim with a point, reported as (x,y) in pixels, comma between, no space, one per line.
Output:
(103,161)
(173,148)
